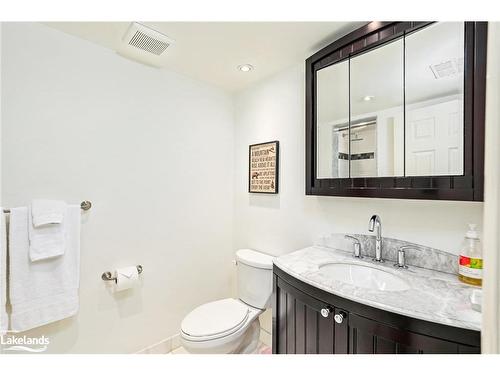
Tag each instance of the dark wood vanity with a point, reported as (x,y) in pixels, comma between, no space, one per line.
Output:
(308,320)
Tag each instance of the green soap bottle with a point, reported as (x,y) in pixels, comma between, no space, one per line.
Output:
(470,263)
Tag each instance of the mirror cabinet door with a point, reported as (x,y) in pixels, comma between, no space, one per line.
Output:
(377,119)
(332,115)
(434,74)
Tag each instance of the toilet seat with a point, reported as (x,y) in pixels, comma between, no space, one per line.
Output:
(215,320)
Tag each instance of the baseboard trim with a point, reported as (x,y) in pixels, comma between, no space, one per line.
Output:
(163,347)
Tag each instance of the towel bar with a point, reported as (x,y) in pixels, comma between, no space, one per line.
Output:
(108,276)
(85,205)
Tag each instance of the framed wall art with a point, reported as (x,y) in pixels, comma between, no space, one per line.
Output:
(263,167)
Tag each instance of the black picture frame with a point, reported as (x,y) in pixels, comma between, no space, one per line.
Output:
(466,187)
(276,168)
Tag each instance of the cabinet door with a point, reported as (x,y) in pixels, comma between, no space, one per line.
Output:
(367,336)
(301,328)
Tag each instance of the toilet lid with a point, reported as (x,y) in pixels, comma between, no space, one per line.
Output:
(218,318)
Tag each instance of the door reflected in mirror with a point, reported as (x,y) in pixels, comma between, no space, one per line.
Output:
(434,100)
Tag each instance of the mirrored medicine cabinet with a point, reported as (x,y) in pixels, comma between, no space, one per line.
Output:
(396,110)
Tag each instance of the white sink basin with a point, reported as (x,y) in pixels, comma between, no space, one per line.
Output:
(363,276)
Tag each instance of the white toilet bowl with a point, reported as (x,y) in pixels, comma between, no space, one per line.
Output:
(227,326)
(232,325)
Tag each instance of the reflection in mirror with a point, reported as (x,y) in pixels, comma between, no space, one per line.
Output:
(434,100)
(377,121)
(332,115)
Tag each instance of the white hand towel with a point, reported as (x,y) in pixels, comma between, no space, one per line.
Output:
(45,291)
(45,211)
(3,275)
(46,241)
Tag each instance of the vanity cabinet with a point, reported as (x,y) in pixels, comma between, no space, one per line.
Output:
(308,320)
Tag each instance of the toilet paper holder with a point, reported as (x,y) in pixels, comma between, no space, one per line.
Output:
(108,276)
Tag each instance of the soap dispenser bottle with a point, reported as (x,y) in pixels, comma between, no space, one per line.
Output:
(470,268)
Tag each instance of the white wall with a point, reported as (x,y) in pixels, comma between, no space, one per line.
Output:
(491,287)
(151,149)
(277,224)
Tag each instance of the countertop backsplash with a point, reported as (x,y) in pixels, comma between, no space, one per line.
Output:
(422,256)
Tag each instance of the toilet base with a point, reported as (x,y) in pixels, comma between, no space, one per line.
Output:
(251,340)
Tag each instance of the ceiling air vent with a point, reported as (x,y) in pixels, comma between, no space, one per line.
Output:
(144,44)
(447,68)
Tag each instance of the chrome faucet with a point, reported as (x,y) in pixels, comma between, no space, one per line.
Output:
(375,223)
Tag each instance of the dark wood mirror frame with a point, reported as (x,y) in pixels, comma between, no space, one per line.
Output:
(466,187)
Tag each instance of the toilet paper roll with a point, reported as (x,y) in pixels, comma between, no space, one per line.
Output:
(126,278)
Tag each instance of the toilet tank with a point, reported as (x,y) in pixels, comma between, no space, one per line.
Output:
(255,277)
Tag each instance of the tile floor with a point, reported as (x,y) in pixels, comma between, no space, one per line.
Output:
(172,345)
(264,346)
(261,349)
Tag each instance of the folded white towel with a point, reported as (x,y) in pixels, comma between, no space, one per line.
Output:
(4,323)
(46,211)
(46,241)
(45,291)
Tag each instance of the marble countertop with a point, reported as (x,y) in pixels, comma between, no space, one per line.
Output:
(433,296)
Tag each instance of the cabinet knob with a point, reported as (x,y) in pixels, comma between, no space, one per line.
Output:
(325,312)
(339,318)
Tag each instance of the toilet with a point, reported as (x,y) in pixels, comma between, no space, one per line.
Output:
(232,325)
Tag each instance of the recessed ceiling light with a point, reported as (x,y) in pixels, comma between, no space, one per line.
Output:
(245,67)
(368,98)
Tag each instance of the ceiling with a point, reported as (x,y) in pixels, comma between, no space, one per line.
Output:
(211,51)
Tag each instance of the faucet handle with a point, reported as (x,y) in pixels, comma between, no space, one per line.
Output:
(356,244)
(401,255)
